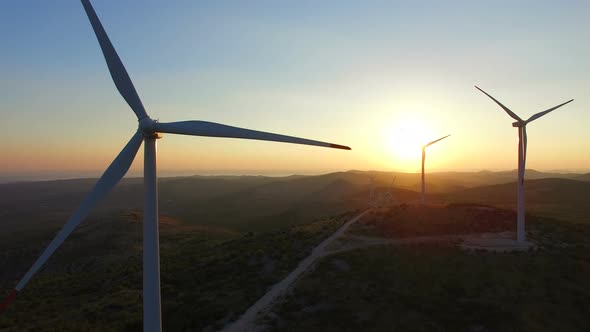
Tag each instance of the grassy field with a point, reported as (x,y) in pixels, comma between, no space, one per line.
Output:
(441,288)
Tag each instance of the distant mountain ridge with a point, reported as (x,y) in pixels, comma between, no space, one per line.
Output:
(251,202)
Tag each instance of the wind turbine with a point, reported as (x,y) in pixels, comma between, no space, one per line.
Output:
(389,194)
(372,202)
(423,160)
(522,146)
(149,130)
(391,197)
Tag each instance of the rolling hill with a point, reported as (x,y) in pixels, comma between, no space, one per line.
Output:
(563,199)
(224,240)
(252,202)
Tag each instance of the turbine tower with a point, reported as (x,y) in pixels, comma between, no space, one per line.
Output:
(149,131)
(391,197)
(389,194)
(372,201)
(423,160)
(522,146)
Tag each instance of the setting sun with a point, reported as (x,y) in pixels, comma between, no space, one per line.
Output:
(405,141)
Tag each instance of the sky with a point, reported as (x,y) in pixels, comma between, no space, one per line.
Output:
(383,77)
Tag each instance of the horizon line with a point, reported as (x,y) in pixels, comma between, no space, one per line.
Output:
(78,175)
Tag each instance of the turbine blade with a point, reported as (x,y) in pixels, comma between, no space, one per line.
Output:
(107,181)
(540,114)
(118,71)
(211,129)
(429,144)
(506,109)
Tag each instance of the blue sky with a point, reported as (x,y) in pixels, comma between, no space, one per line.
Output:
(356,73)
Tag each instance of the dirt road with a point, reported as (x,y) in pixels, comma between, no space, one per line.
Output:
(248,320)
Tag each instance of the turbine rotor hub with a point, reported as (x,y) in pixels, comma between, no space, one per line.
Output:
(147,127)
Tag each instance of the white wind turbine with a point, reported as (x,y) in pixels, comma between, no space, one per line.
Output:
(423,160)
(149,130)
(522,146)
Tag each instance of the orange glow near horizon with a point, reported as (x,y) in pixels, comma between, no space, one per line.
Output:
(405,140)
(61,112)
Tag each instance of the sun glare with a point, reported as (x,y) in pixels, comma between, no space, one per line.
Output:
(407,139)
(404,143)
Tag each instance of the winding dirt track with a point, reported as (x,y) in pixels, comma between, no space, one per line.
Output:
(248,320)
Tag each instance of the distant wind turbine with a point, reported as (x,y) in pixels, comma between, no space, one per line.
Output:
(372,201)
(389,194)
(149,130)
(522,146)
(423,160)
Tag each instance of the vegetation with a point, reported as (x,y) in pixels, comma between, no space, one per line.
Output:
(225,240)
(563,199)
(209,275)
(417,220)
(441,288)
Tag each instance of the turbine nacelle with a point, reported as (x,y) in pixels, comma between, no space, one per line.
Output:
(518,124)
